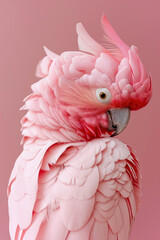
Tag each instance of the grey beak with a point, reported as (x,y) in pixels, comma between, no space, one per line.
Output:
(118,119)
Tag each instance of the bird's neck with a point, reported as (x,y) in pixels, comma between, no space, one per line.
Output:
(58,128)
(47,122)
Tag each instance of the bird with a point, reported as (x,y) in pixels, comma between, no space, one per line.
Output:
(75,179)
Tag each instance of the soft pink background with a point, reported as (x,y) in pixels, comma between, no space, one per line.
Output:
(25,26)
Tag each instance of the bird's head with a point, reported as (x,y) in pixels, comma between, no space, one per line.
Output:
(94,89)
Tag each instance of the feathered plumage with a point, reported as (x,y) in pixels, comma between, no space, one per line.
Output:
(72,181)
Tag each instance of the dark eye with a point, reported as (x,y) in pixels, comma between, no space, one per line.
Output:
(103,95)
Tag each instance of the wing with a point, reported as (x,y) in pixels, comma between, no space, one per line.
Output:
(118,192)
(84,190)
(23,185)
(99,192)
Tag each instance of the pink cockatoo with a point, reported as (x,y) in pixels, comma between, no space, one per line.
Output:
(73,181)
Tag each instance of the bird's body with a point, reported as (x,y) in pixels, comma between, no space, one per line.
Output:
(71,181)
(79,190)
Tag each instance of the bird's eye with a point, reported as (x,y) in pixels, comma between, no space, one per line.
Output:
(103,95)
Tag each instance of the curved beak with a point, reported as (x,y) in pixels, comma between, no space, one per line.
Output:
(118,119)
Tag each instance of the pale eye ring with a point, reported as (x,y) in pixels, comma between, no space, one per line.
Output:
(103,95)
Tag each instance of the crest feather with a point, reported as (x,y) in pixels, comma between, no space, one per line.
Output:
(113,44)
(86,43)
(49,53)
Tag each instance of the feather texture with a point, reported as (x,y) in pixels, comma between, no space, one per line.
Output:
(113,43)
(51,197)
(86,43)
(71,181)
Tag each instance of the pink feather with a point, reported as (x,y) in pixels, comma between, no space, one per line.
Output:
(71,181)
(114,44)
(60,195)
